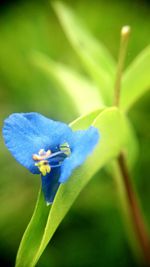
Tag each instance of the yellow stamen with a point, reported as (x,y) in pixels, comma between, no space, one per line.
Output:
(43,166)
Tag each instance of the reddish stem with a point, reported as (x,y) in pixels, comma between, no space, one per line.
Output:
(137,218)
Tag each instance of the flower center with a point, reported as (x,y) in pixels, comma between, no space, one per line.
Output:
(45,160)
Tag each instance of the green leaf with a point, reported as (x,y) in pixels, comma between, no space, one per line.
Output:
(46,220)
(131,148)
(73,83)
(95,58)
(132,144)
(136,80)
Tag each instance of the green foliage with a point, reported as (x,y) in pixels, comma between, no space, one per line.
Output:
(97,61)
(136,80)
(72,83)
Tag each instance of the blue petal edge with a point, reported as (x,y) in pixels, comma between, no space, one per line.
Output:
(82,143)
(26,133)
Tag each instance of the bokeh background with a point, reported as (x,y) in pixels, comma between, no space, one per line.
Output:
(92,234)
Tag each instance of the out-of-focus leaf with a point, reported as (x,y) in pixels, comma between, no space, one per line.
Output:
(46,220)
(24,28)
(84,94)
(131,148)
(136,80)
(132,145)
(94,56)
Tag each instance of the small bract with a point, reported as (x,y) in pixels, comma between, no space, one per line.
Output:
(47,147)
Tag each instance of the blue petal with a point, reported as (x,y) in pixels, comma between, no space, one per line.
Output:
(82,144)
(50,184)
(26,133)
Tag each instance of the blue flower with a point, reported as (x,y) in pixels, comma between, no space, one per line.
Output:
(47,147)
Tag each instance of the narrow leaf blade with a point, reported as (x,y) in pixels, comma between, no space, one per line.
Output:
(136,80)
(95,58)
(74,84)
(33,234)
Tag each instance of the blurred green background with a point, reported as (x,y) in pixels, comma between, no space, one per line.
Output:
(93,233)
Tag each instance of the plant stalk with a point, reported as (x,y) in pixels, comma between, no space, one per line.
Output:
(125,32)
(136,216)
(134,209)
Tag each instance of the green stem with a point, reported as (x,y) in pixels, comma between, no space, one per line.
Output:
(125,32)
(133,207)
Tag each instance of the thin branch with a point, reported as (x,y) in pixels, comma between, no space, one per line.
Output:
(137,218)
(125,32)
